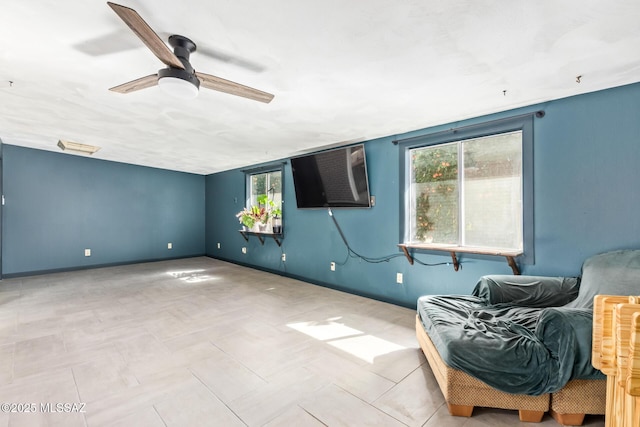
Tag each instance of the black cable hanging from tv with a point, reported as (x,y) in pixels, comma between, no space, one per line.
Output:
(373,260)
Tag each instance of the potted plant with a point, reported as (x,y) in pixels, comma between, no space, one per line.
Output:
(245,218)
(276,224)
(256,218)
(252,216)
(266,206)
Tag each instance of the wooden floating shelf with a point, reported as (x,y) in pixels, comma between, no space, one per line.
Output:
(275,236)
(453,251)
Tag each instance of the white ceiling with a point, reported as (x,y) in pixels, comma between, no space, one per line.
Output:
(340,70)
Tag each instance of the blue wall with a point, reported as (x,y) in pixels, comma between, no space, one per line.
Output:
(586,201)
(58,204)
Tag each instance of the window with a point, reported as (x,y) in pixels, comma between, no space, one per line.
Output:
(469,189)
(264,190)
(265,183)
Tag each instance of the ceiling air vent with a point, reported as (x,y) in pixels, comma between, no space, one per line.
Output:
(76,147)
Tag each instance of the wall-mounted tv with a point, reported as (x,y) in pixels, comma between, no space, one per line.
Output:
(332,179)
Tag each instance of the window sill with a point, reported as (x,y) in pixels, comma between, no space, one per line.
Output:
(454,249)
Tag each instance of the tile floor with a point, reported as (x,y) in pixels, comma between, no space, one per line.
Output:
(200,342)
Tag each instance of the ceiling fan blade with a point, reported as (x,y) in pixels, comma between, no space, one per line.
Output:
(138,84)
(227,86)
(147,35)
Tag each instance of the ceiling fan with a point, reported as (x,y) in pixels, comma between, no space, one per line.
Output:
(178,78)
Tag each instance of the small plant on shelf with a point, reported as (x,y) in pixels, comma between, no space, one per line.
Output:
(265,202)
(252,215)
(276,224)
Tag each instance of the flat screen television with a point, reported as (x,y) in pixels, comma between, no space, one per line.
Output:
(332,179)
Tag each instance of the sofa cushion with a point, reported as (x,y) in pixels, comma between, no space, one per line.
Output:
(497,346)
(527,291)
(611,273)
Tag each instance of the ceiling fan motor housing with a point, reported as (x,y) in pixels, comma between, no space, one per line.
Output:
(177,73)
(182,48)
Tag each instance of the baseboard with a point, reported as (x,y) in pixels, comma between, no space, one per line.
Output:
(91,267)
(316,282)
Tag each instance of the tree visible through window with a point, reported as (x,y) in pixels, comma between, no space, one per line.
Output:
(266,183)
(468,193)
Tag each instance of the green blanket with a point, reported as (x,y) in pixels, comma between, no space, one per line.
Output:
(514,349)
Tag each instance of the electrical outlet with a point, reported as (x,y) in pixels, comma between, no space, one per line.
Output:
(244,250)
(284,257)
(87,252)
(399,278)
(218,245)
(333,266)
(169,245)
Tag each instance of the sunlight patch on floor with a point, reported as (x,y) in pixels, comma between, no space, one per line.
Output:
(363,346)
(366,347)
(324,331)
(191,276)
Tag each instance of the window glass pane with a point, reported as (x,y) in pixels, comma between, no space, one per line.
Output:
(269,183)
(492,195)
(474,192)
(275,187)
(434,194)
(258,183)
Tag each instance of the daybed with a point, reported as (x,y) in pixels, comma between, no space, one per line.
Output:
(524,342)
